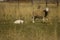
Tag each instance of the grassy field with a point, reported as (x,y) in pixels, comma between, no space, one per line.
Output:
(28,31)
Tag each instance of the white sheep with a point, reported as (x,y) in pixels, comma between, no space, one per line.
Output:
(19,22)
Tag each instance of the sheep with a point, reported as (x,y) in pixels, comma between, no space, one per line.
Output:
(19,22)
(39,15)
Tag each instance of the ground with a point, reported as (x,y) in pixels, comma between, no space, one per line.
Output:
(28,30)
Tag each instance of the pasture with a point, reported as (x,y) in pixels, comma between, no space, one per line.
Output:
(9,12)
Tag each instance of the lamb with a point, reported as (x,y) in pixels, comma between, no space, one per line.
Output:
(19,21)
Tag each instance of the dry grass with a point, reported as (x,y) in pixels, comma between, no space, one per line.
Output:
(28,31)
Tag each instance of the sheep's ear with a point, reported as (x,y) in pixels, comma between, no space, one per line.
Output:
(38,7)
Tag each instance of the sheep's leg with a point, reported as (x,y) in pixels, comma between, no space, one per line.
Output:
(44,19)
(33,20)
